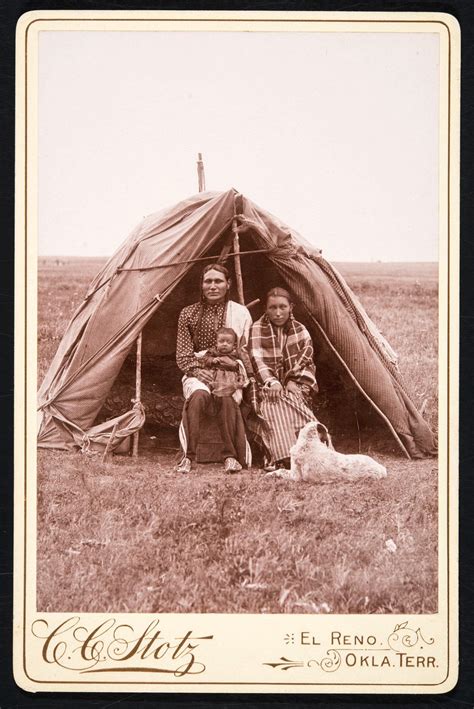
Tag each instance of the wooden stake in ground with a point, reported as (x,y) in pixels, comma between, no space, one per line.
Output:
(108,447)
(138,390)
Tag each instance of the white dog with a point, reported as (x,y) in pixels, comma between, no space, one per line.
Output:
(314,459)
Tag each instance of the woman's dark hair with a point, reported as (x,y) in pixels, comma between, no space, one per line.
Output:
(215,267)
(278,293)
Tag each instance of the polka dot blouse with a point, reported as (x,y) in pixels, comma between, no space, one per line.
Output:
(197,327)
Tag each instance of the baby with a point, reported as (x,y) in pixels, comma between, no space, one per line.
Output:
(225,364)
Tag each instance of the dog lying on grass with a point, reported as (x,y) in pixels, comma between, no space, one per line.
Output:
(314,459)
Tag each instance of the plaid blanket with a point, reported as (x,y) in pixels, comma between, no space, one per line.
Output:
(282,355)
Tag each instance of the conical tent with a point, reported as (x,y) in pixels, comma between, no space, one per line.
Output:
(155,273)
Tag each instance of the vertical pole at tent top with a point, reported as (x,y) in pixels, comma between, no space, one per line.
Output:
(236,254)
(201,176)
(138,390)
(237,264)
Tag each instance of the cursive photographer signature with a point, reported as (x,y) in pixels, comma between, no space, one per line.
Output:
(112,647)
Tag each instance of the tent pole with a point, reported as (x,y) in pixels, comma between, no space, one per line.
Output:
(138,390)
(201,176)
(237,264)
(225,250)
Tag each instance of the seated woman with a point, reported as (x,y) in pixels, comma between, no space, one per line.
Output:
(197,331)
(281,353)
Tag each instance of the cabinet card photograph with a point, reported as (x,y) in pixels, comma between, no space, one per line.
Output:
(236,352)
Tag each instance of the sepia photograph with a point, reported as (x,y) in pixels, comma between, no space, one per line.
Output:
(238,246)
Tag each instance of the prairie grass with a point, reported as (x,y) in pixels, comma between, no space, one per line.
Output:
(135,537)
(132,536)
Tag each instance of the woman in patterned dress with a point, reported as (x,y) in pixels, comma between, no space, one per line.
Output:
(281,353)
(197,327)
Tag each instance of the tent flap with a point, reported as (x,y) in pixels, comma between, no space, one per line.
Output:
(111,433)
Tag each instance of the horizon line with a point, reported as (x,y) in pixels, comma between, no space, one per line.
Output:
(77,256)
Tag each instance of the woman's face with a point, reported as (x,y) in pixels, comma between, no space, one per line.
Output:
(278,310)
(214,286)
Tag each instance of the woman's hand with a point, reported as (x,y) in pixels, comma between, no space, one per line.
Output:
(206,377)
(292,387)
(274,391)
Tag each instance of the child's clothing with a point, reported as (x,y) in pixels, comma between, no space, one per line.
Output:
(226,381)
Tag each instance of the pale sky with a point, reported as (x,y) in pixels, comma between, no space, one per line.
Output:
(335,133)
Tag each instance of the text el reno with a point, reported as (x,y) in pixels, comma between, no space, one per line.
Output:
(337,639)
(73,645)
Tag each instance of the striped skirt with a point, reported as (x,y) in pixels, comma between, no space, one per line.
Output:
(283,420)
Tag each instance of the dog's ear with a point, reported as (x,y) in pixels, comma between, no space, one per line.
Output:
(324,436)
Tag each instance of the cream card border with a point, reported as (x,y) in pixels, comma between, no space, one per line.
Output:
(247,653)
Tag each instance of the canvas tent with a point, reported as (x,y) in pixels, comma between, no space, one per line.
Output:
(155,272)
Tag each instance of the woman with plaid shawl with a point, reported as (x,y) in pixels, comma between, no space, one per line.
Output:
(281,353)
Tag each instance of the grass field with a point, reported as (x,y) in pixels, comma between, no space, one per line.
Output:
(132,536)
